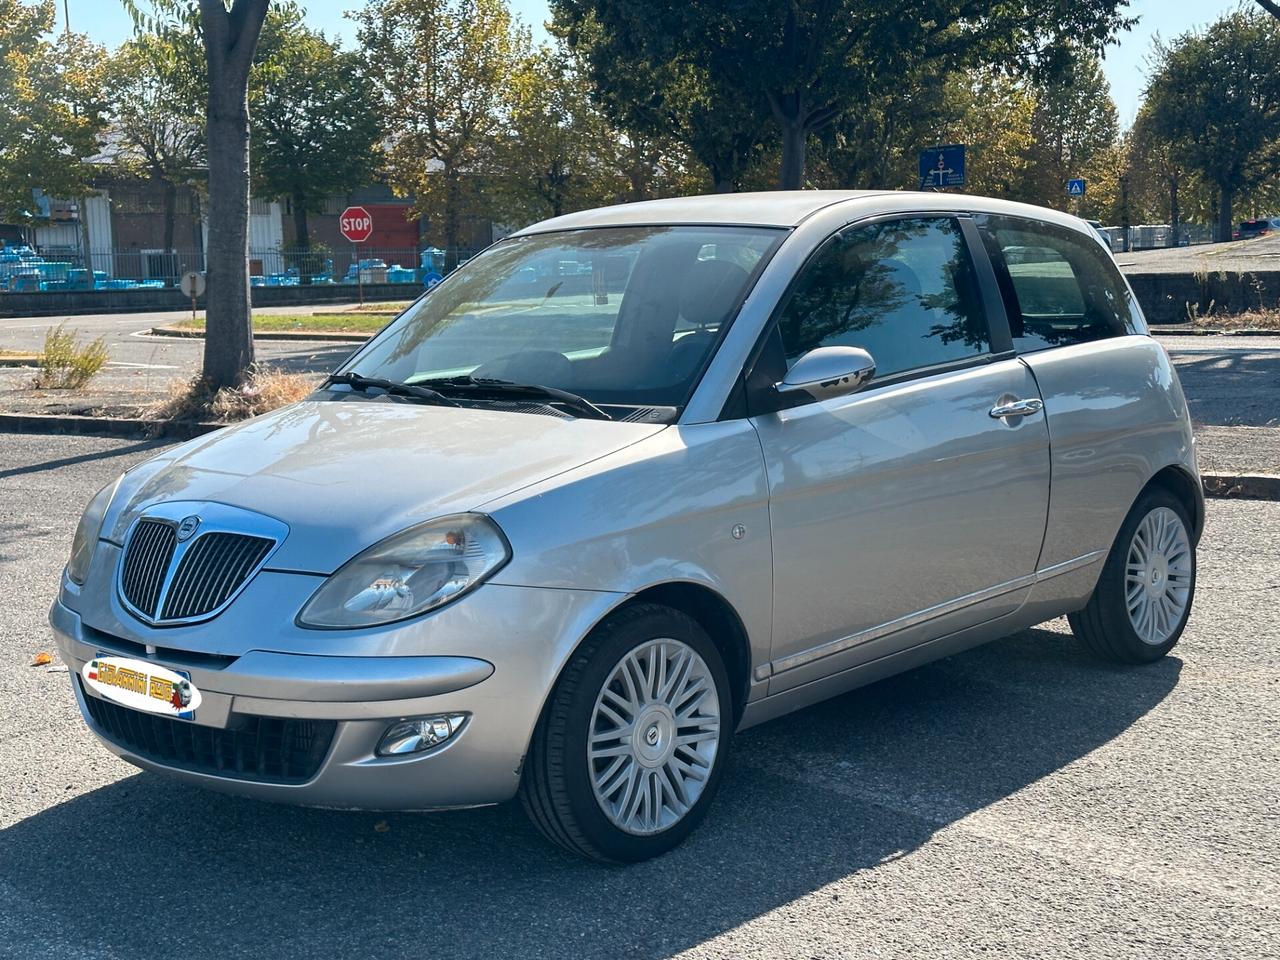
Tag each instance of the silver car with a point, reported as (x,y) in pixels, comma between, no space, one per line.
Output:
(629,481)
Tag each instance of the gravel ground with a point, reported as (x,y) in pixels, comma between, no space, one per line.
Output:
(1238,449)
(1017,800)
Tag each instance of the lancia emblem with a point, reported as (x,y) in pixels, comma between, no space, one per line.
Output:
(187,527)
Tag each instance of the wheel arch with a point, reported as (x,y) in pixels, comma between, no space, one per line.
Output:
(1179,481)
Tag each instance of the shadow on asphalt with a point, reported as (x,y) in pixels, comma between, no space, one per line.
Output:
(151,868)
(95,456)
(1231,389)
(318,360)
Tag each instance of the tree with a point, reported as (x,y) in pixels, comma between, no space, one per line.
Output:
(51,108)
(556,143)
(229,32)
(314,130)
(664,96)
(1073,124)
(1158,173)
(813,61)
(440,70)
(1271,7)
(1217,93)
(156,84)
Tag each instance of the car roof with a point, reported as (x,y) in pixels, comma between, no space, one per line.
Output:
(784,208)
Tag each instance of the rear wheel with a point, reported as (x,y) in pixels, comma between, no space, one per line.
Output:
(1143,598)
(629,750)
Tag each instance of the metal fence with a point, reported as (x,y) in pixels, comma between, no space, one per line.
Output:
(28,270)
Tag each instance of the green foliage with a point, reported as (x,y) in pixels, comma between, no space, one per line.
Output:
(313,130)
(51,109)
(439,68)
(1216,96)
(65,364)
(808,63)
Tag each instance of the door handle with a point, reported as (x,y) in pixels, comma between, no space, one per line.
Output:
(1016,408)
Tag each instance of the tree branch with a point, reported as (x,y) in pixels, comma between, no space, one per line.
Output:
(1271,7)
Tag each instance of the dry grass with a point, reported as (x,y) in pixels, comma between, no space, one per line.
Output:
(1251,320)
(65,364)
(263,390)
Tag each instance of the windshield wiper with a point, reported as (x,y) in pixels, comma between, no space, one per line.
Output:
(478,387)
(357,382)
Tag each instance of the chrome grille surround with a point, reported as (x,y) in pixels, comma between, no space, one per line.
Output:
(164,580)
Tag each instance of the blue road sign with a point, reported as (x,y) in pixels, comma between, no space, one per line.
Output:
(942,166)
(1075,188)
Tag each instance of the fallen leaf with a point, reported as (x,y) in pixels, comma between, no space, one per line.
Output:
(381,827)
(42,658)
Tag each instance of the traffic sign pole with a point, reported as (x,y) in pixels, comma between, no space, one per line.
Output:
(356,225)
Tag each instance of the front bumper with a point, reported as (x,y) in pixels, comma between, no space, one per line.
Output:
(516,638)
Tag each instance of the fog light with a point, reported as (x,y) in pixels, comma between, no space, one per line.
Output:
(413,736)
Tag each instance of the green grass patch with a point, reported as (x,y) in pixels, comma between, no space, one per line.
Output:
(331,323)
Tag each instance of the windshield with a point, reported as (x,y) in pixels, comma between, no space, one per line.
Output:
(623,316)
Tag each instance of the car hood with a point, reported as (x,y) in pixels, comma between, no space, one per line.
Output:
(345,474)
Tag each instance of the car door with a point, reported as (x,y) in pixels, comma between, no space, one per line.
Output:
(911,508)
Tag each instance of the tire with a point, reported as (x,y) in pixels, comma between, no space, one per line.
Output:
(558,785)
(1106,627)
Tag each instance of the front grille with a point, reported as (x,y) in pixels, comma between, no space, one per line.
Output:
(166,581)
(146,561)
(211,571)
(263,749)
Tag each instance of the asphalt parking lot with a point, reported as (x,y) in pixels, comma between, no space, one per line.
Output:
(1017,800)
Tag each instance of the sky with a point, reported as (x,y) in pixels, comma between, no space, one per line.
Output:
(1126,62)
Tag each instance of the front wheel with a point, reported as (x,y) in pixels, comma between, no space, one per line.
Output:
(630,747)
(1143,597)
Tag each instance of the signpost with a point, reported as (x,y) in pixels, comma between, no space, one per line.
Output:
(942,166)
(192,284)
(356,225)
(1075,188)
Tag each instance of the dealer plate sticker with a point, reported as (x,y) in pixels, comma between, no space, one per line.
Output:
(143,686)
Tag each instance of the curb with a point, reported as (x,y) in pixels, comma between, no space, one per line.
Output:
(1242,486)
(322,336)
(27,360)
(126,427)
(1202,332)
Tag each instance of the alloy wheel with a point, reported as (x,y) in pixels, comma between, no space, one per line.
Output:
(653,737)
(1157,576)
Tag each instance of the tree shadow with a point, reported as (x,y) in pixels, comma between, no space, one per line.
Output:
(1230,388)
(145,864)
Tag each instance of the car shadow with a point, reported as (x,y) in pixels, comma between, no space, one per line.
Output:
(147,867)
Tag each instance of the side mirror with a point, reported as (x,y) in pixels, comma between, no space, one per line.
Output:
(829,372)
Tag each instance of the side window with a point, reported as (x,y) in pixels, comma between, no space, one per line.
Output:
(903,290)
(1059,287)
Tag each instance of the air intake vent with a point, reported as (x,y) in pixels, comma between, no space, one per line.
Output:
(146,561)
(211,571)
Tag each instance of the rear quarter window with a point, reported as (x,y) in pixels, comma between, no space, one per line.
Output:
(1059,287)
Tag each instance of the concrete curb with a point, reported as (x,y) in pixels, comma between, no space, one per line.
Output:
(27,360)
(1201,332)
(1242,486)
(126,427)
(321,336)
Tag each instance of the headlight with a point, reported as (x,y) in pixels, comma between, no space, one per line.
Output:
(409,573)
(87,531)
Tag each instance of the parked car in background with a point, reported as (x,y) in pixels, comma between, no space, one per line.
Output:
(631,480)
(1257,227)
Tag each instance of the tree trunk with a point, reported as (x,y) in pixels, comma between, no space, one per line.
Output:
(170,215)
(228,345)
(1175,213)
(791,174)
(302,239)
(230,38)
(1224,214)
(451,222)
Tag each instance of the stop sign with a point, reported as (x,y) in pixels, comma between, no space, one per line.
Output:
(356,224)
